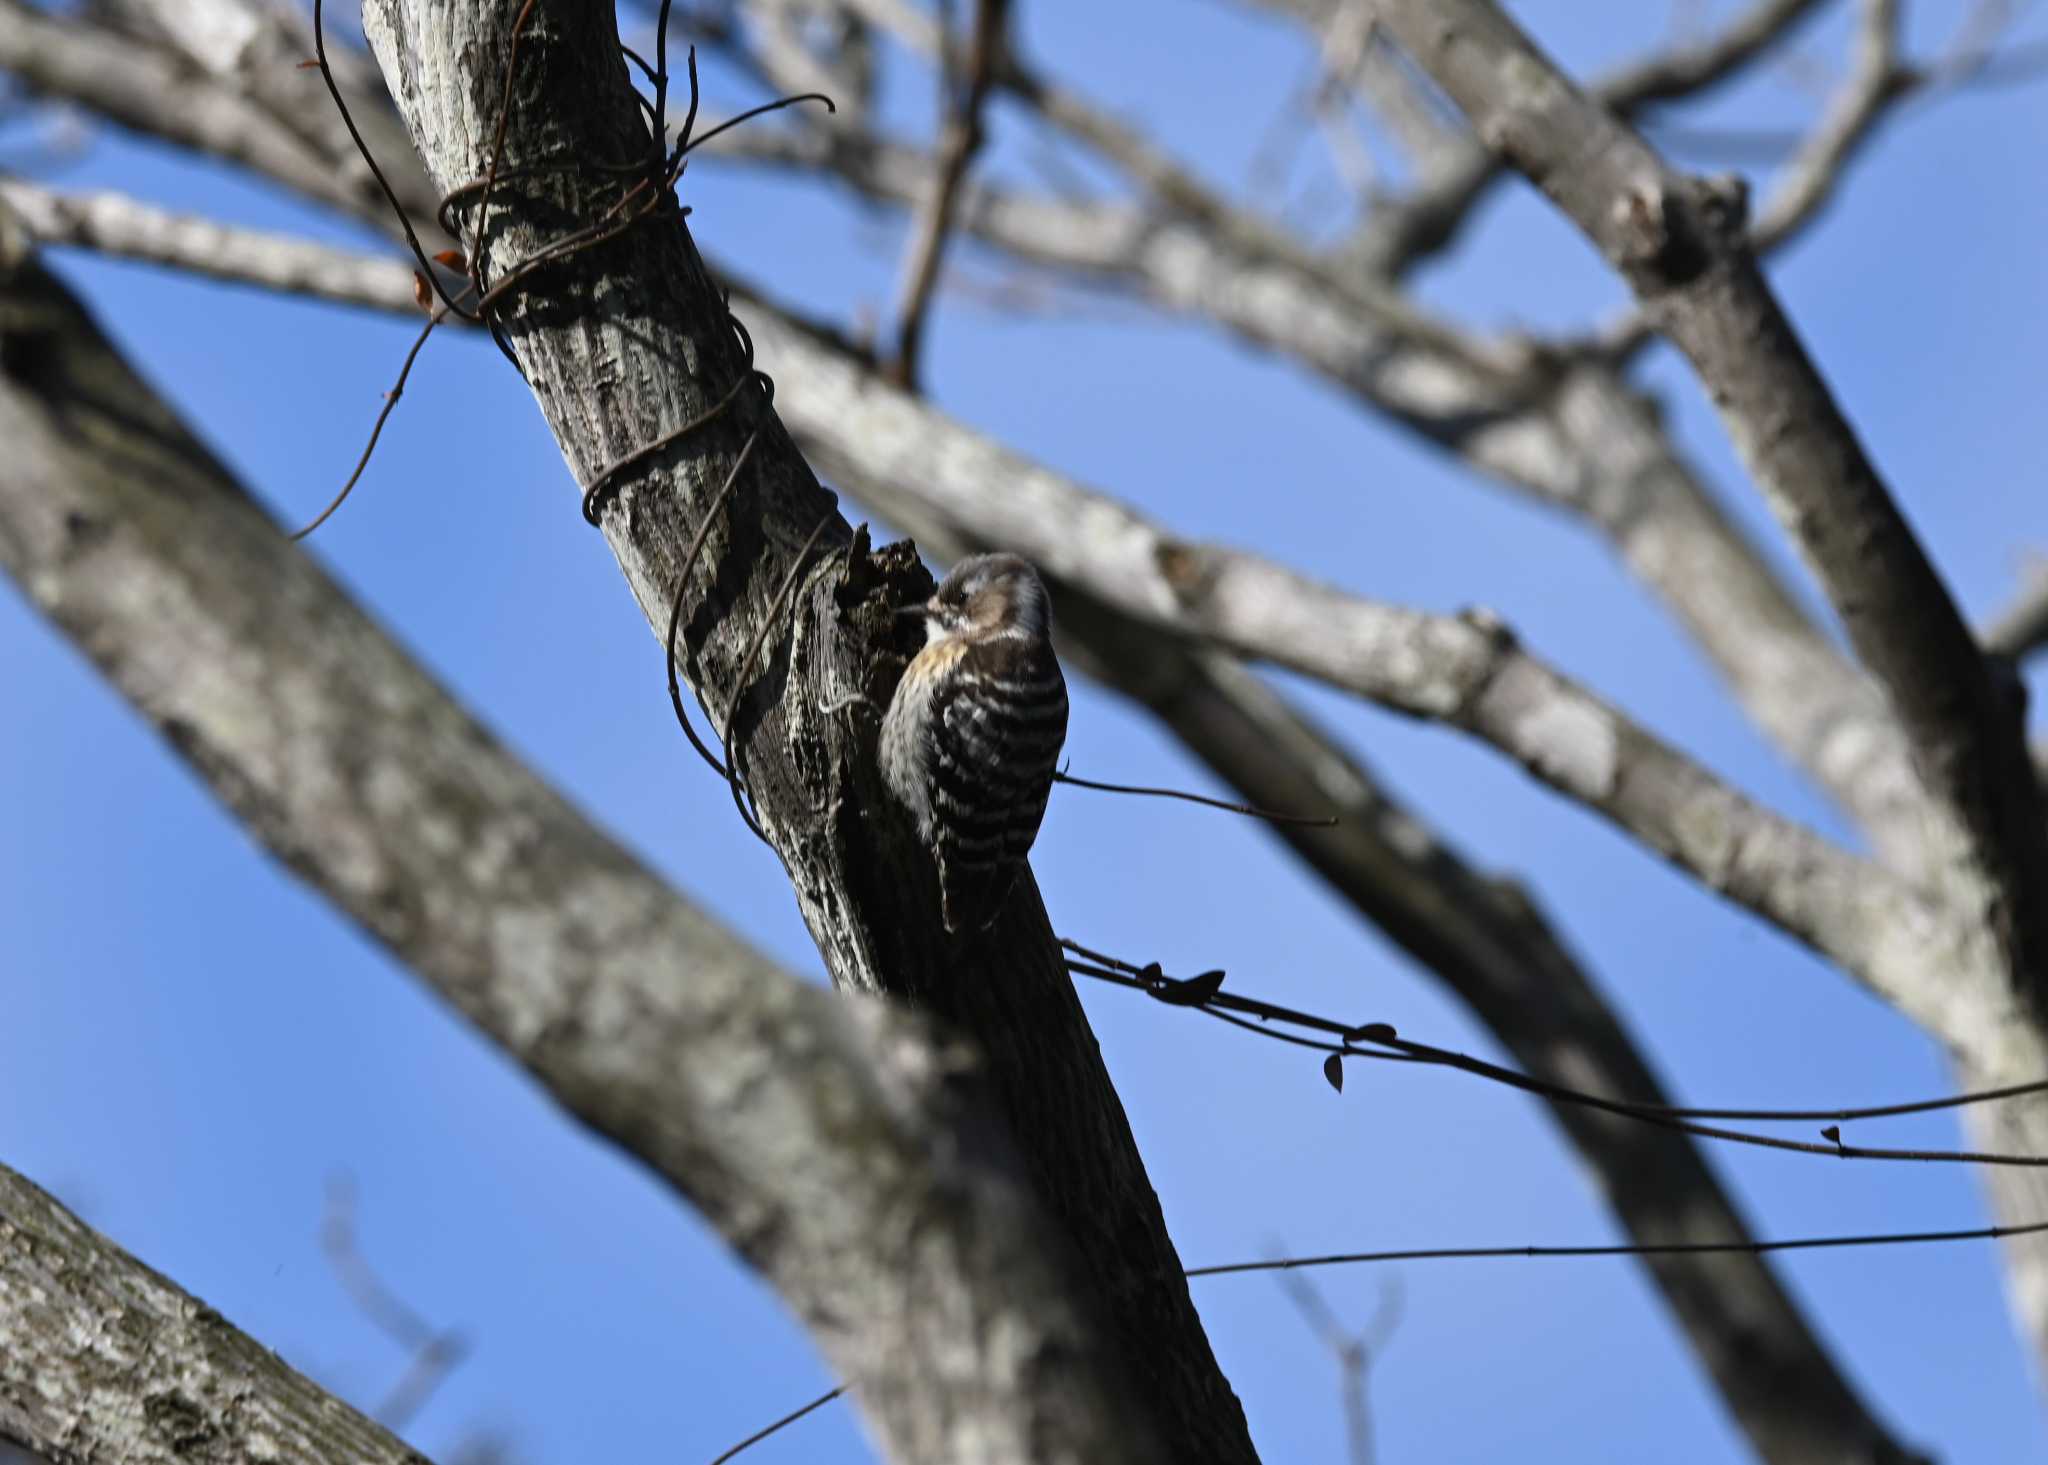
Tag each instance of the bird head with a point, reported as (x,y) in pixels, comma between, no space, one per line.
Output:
(984,596)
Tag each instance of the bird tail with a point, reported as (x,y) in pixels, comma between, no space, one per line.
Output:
(972,896)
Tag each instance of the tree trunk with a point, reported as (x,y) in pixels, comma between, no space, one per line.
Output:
(624,343)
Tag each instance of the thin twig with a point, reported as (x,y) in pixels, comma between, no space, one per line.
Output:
(961,137)
(2021,628)
(1355,1353)
(435,1351)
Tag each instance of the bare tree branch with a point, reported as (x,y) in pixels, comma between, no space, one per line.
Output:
(1600,453)
(1586,443)
(115,224)
(1170,190)
(141,87)
(431,1353)
(960,139)
(1689,68)
(2021,629)
(1462,670)
(258,50)
(1490,943)
(1355,1353)
(1402,232)
(1877,79)
(622,347)
(1541,439)
(1681,246)
(102,1358)
(839,1147)
(1481,937)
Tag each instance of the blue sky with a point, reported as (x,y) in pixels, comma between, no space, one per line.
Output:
(195,1044)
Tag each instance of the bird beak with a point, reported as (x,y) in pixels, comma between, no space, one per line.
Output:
(920,611)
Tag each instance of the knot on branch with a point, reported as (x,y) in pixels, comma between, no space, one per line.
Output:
(178,1421)
(1500,636)
(1188,569)
(17,245)
(875,583)
(873,588)
(1668,237)
(2009,685)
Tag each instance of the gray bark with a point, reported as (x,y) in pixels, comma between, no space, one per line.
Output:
(1593,447)
(1480,936)
(621,346)
(1487,940)
(144,88)
(1465,670)
(848,1153)
(1590,445)
(102,1358)
(1680,243)
(1489,943)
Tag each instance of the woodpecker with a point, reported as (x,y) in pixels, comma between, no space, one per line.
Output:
(973,732)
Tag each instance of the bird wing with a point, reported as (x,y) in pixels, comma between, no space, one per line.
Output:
(997,727)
